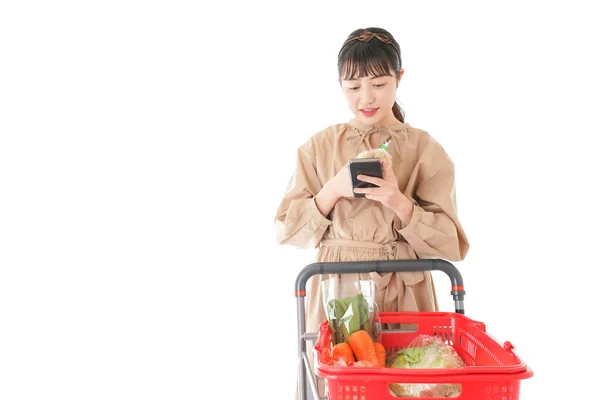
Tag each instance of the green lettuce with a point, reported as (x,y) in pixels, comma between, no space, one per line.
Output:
(347,316)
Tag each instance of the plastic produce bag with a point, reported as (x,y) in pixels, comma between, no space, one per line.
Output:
(323,345)
(350,306)
(426,352)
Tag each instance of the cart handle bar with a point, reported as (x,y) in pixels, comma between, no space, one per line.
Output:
(322,268)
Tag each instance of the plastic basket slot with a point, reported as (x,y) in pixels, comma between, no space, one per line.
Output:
(444,333)
(506,392)
(474,345)
(466,350)
(489,352)
(348,392)
(350,388)
(468,346)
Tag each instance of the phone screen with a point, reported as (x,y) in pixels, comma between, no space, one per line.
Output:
(364,166)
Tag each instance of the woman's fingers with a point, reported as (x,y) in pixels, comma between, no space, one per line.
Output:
(388,172)
(375,197)
(370,179)
(380,191)
(386,187)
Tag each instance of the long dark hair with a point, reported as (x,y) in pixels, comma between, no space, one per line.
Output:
(366,54)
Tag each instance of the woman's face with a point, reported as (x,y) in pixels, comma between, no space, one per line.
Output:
(371,98)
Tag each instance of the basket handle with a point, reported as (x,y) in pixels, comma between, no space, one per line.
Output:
(457,291)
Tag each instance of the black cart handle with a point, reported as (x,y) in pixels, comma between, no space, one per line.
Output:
(323,268)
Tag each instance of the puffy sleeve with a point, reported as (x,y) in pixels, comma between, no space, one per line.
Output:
(434,230)
(298,221)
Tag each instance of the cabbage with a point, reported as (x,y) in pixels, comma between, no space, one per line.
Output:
(432,354)
(426,352)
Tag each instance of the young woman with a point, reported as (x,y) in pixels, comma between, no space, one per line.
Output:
(412,214)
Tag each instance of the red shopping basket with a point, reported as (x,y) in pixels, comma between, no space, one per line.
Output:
(493,371)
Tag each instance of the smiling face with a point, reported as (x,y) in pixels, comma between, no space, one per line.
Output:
(371,97)
(369,71)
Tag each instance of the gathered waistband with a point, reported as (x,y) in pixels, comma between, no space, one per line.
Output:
(390,249)
(356,243)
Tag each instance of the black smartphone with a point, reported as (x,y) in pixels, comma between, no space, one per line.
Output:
(365,166)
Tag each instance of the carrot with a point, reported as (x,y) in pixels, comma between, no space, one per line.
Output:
(343,352)
(363,347)
(380,352)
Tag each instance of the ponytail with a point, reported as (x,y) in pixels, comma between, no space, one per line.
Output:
(398,113)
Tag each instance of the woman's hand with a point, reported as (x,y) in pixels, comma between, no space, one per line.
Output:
(388,193)
(339,186)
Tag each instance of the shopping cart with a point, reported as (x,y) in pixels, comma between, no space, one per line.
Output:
(492,372)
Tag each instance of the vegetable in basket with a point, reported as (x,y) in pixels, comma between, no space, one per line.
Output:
(380,352)
(426,352)
(364,348)
(349,315)
(342,354)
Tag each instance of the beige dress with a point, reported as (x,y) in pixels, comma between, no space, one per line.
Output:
(359,229)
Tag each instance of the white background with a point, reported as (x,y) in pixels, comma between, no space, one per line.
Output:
(145,146)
